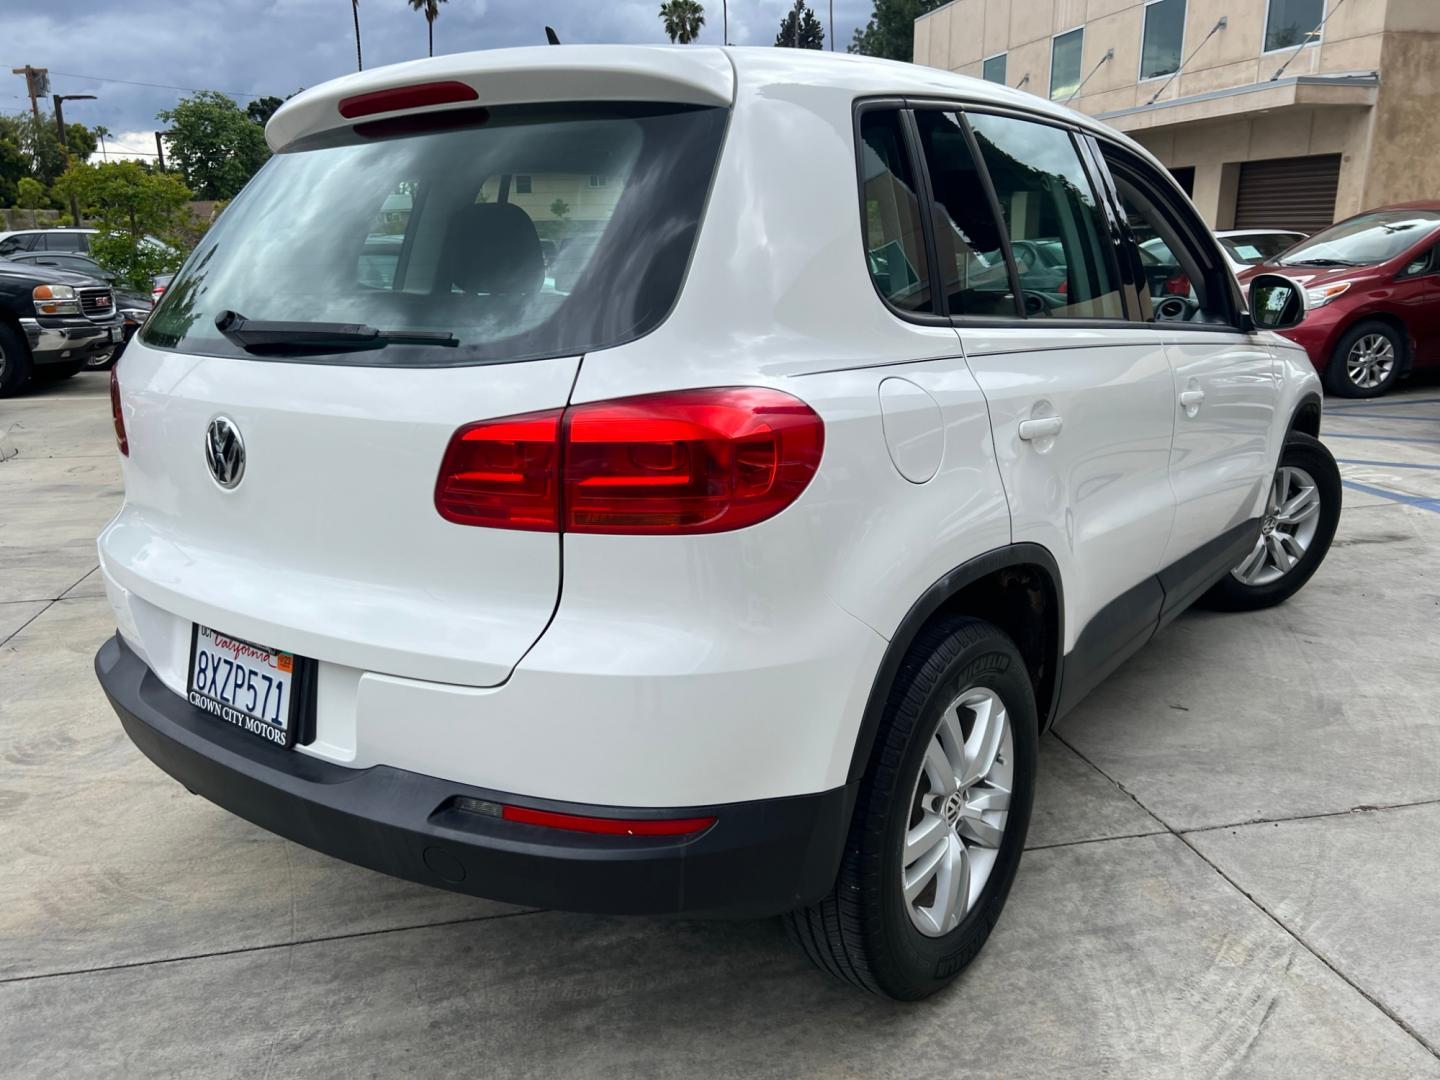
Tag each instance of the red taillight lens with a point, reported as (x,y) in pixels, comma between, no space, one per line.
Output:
(406,97)
(157,292)
(1177,285)
(691,461)
(116,416)
(608,826)
(503,473)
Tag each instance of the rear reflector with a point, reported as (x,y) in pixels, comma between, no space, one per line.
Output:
(690,461)
(608,826)
(117,417)
(406,97)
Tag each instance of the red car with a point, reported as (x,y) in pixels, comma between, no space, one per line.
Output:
(1373,285)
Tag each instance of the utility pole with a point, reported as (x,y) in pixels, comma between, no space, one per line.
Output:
(60,100)
(160,149)
(37,85)
(832,25)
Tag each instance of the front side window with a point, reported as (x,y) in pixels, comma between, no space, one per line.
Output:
(1365,240)
(1291,22)
(894,238)
(417,227)
(1065,56)
(1164,37)
(994,69)
(971,261)
(1057,232)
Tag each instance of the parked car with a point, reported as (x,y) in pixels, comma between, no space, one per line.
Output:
(844,528)
(134,307)
(53,323)
(1245,248)
(55,240)
(162,282)
(1373,287)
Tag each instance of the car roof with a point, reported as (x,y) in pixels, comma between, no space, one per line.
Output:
(685,74)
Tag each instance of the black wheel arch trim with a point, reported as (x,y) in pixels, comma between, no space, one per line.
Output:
(929,603)
(1310,402)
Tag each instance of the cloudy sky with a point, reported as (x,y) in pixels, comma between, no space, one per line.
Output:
(246,47)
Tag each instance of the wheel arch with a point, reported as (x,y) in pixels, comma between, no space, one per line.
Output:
(1306,417)
(1380,315)
(1017,588)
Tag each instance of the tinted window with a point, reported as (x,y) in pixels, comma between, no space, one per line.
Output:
(407,226)
(58,241)
(994,69)
(1289,21)
(1057,233)
(1364,240)
(1164,36)
(967,238)
(894,240)
(1065,53)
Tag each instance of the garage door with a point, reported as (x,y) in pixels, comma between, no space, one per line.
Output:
(1288,193)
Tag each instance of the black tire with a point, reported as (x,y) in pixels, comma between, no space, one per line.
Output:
(57,372)
(1337,373)
(107,363)
(14,362)
(1232,594)
(862,932)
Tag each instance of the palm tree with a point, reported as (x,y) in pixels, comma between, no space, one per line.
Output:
(100,132)
(682,18)
(355,10)
(431,8)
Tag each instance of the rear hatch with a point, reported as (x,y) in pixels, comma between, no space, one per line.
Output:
(498,244)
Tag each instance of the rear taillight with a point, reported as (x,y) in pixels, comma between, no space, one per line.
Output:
(691,461)
(116,416)
(1177,285)
(157,292)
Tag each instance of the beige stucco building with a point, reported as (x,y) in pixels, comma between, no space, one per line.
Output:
(1352,122)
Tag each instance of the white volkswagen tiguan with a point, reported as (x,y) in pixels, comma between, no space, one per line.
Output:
(669,480)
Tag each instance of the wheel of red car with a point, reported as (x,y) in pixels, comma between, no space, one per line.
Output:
(1366,361)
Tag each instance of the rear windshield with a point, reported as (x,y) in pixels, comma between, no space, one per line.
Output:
(525,233)
(1252,248)
(1364,240)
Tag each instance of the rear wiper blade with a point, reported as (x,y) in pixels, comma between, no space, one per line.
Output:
(263,335)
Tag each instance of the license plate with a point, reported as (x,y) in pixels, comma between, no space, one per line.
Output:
(248,685)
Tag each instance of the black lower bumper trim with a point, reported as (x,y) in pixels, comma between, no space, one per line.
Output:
(759,858)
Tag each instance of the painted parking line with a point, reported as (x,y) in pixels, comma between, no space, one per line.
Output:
(1328,434)
(1383,404)
(1386,464)
(1390,416)
(1421,501)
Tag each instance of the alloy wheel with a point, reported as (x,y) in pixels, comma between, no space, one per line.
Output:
(958,812)
(1370,361)
(100,359)
(1292,515)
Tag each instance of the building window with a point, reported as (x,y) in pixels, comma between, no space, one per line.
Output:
(995,69)
(1185,176)
(597,181)
(1291,22)
(1164,36)
(522,184)
(1065,53)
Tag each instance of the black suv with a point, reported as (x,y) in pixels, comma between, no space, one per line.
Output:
(52,323)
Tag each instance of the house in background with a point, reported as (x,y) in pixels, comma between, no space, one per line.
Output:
(1352,121)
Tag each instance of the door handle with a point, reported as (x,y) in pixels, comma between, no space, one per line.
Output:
(1192,400)
(1044,428)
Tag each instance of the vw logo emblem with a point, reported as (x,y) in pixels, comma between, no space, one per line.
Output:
(225,452)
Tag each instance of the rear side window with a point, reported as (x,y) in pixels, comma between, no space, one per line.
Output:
(894,238)
(486,224)
(1057,231)
(968,247)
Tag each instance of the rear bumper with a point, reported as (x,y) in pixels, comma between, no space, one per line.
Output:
(759,858)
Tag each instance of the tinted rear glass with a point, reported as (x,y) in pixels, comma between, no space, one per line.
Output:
(524,232)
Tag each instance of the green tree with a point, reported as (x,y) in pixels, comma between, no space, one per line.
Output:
(683,20)
(13,167)
(800,29)
(215,146)
(431,8)
(129,204)
(102,133)
(30,195)
(39,144)
(891,30)
(560,208)
(262,108)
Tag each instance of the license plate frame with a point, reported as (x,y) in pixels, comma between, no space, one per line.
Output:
(298,685)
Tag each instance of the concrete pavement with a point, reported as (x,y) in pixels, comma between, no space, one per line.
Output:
(1233,867)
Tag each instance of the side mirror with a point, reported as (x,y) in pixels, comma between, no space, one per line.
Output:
(1276,302)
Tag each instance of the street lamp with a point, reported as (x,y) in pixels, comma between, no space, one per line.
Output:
(59,100)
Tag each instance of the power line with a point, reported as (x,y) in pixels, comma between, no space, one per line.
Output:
(156,86)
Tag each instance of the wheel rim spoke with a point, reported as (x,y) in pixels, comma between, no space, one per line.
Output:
(1253,563)
(984,741)
(1299,507)
(982,832)
(921,840)
(939,770)
(918,875)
